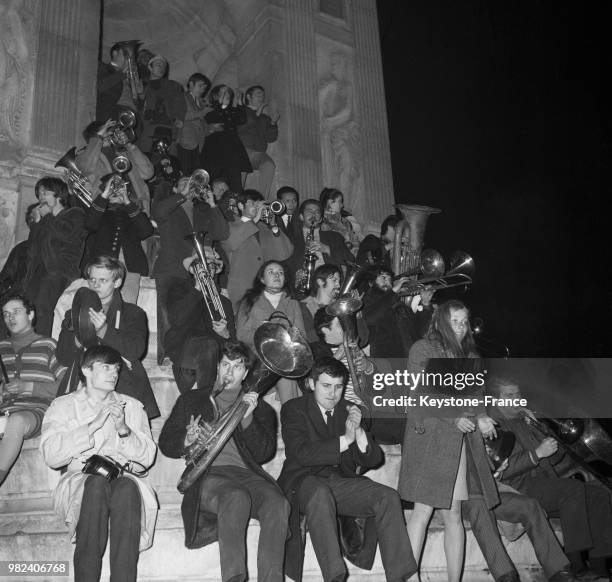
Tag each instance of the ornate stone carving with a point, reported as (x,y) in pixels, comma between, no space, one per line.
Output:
(8,221)
(14,77)
(340,130)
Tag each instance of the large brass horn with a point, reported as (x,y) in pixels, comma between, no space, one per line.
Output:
(283,352)
(78,184)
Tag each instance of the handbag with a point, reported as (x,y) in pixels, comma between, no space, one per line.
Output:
(110,469)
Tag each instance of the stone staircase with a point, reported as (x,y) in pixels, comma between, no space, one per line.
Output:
(30,530)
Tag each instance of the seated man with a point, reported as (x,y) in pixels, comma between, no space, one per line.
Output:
(235,487)
(585,509)
(197,334)
(328,246)
(120,325)
(32,370)
(515,508)
(326,448)
(94,420)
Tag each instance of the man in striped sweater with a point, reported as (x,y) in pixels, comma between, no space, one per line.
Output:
(32,370)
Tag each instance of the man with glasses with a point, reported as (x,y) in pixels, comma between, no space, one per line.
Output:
(120,325)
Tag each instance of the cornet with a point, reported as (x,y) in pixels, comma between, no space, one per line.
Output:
(126,121)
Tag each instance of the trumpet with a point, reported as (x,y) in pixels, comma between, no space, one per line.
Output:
(77,183)
(197,184)
(275,207)
(206,279)
(303,277)
(432,263)
(129,48)
(126,121)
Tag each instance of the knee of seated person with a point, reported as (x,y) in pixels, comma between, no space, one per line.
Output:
(124,487)
(19,423)
(236,499)
(318,493)
(388,497)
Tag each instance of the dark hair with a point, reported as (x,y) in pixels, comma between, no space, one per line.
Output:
(200,77)
(116,48)
(28,213)
(29,306)
(322,319)
(329,195)
(391,220)
(235,350)
(308,202)
(496,382)
(224,205)
(103,354)
(249,194)
(217,180)
(441,332)
(286,190)
(322,273)
(258,287)
(249,92)
(330,366)
(214,94)
(115,266)
(92,129)
(55,185)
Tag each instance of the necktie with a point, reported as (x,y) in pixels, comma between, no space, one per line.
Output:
(329,418)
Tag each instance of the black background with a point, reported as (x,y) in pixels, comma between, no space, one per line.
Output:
(499,115)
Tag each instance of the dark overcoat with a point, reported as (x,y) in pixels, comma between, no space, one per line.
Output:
(309,449)
(430,460)
(256,445)
(127,331)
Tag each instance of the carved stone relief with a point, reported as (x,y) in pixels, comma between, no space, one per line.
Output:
(341,148)
(16,78)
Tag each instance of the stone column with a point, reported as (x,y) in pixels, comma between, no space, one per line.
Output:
(48,63)
(370,92)
(302,83)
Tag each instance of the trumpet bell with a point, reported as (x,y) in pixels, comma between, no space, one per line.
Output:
(461,262)
(344,306)
(121,163)
(432,263)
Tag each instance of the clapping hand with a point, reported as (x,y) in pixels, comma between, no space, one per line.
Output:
(464,424)
(98,318)
(486,425)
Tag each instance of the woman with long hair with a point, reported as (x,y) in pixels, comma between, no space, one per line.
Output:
(270,293)
(443,456)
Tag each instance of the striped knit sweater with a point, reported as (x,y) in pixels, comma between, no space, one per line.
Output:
(36,363)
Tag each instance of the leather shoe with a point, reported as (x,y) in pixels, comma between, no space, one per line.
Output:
(588,575)
(509,577)
(563,576)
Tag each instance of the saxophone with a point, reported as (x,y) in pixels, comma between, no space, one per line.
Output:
(303,277)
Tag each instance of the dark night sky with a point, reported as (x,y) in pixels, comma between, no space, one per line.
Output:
(499,115)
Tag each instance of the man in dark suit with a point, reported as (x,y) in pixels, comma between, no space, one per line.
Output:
(290,197)
(327,245)
(119,325)
(325,449)
(179,212)
(235,487)
(585,509)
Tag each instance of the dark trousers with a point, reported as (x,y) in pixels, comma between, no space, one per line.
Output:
(46,292)
(188,159)
(163,283)
(197,363)
(584,509)
(118,500)
(235,494)
(321,499)
(513,508)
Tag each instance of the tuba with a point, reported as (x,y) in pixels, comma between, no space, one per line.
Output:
(283,352)
(206,280)
(77,183)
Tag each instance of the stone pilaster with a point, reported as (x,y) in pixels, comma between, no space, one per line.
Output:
(369,85)
(302,83)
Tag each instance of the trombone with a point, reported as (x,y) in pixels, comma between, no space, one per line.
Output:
(433,266)
(77,182)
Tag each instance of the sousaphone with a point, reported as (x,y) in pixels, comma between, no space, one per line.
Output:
(283,352)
